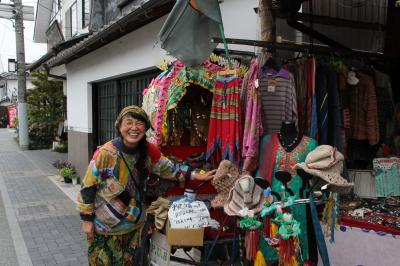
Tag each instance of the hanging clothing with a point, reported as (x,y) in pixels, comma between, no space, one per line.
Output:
(278,97)
(311,99)
(225,129)
(321,93)
(252,116)
(285,161)
(299,70)
(361,101)
(384,101)
(335,124)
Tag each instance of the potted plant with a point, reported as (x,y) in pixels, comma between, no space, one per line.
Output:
(67,173)
(75,178)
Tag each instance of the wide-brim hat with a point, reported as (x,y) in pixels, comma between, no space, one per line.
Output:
(245,194)
(326,163)
(223,182)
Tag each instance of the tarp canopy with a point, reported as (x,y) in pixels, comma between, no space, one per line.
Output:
(188,29)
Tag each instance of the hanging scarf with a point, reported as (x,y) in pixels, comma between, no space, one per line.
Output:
(269,147)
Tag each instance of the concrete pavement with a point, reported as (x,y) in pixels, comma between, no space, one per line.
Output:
(40,224)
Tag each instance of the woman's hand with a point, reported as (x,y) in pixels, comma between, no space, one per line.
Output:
(205,176)
(88,229)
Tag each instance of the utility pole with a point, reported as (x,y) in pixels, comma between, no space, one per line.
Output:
(20,49)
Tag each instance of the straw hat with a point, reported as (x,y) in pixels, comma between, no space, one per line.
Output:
(326,163)
(245,195)
(223,181)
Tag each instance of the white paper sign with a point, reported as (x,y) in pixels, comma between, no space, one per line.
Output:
(187,215)
(160,251)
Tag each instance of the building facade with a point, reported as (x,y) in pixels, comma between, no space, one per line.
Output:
(105,78)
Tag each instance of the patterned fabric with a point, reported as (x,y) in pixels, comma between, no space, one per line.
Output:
(278,96)
(155,98)
(111,250)
(106,182)
(167,90)
(252,124)
(285,161)
(361,99)
(225,129)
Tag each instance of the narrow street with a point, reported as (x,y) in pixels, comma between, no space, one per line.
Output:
(40,224)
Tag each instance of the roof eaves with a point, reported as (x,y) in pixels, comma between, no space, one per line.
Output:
(151,9)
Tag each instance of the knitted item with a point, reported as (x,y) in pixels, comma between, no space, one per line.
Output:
(224,180)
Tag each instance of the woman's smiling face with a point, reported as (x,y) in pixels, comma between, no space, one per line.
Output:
(132,131)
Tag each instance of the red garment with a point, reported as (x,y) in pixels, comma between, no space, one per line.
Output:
(225,129)
(268,150)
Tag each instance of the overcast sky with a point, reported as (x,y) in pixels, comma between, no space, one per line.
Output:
(33,51)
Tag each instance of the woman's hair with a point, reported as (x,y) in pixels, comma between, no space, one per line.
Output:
(141,162)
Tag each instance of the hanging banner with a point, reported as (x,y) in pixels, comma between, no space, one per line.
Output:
(12,114)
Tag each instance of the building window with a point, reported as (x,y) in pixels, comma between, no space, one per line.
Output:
(56,11)
(85,13)
(71,24)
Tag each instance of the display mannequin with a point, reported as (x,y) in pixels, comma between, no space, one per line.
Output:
(288,136)
(279,153)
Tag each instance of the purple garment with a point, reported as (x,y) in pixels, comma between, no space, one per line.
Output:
(252,123)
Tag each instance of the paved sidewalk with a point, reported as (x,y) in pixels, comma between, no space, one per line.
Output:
(40,224)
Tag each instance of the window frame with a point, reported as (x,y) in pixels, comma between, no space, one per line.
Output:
(84,22)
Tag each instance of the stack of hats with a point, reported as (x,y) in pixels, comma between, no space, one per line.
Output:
(326,164)
(223,181)
(245,197)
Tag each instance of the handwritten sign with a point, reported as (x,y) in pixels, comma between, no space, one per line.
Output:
(160,251)
(187,215)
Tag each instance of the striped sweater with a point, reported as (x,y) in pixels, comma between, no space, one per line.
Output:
(278,97)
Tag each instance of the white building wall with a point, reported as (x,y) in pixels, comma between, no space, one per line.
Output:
(137,52)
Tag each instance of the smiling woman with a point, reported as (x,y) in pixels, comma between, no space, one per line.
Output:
(110,200)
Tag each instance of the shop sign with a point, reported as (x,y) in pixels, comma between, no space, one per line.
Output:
(160,251)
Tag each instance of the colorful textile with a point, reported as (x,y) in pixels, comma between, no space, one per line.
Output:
(252,124)
(285,161)
(361,99)
(268,149)
(225,129)
(112,250)
(155,99)
(278,97)
(106,182)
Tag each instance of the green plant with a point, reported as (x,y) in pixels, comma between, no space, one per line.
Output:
(45,110)
(67,172)
(62,147)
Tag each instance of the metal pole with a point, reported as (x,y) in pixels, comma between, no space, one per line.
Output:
(22,105)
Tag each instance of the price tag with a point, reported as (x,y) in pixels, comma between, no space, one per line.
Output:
(271,85)
(256,84)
